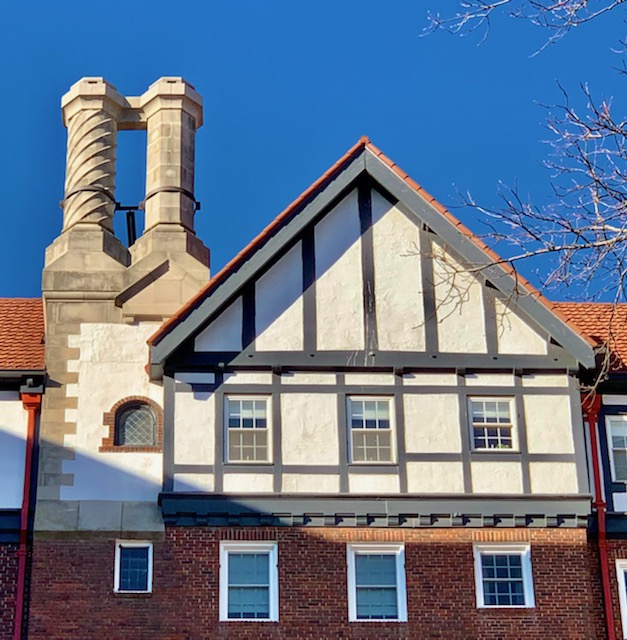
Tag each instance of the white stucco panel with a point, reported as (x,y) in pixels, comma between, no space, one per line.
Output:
(489,380)
(381,484)
(360,379)
(310,483)
(437,379)
(432,423)
(549,426)
(459,305)
(112,361)
(309,429)
(496,477)
(13,431)
(194,482)
(224,333)
(247,482)
(279,304)
(514,335)
(194,427)
(248,377)
(553,477)
(435,477)
(307,377)
(398,280)
(544,380)
(339,286)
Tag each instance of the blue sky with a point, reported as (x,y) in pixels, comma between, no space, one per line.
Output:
(288,87)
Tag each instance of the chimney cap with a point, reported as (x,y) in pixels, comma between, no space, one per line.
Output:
(172,92)
(91,93)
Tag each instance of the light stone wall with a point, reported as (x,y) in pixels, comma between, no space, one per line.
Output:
(279,305)
(398,279)
(339,283)
(13,432)
(111,368)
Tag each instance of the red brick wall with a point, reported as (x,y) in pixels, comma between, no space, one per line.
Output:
(8,587)
(73,579)
(617,550)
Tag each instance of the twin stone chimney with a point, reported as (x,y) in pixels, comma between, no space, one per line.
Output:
(89,275)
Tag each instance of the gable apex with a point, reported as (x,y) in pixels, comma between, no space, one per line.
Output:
(364,159)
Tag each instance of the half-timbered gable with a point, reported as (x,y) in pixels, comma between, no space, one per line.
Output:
(368,345)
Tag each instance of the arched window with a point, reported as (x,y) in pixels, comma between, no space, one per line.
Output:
(135,426)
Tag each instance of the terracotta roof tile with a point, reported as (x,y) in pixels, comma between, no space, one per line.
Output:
(604,323)
(21,334)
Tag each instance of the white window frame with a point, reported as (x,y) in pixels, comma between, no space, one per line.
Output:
(393,452)
(227,548)
(621,568)
(397,550)
(524,551)
(119,544)
(238,397)
(512,414)
(610,448)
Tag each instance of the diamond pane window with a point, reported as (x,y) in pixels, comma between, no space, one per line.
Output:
(617,436)
(136,425)
(370,430)
(491,423)
(247,430)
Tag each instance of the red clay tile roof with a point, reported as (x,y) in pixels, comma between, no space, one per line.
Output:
(364,143)
(604,323)
(21,334)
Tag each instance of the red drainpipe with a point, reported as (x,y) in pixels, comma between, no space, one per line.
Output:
(591,407)
(32,403)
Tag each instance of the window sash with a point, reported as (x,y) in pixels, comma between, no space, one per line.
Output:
(371,434)
(503,577)
(616,427)
(373,595)
(491,423)
(133,567)
(247,429)
(248,582)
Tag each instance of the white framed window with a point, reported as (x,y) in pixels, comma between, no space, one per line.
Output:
(503,576)
(376,583)
(492,424)
(371,427)
(616,428)
(247,429)
(621,570)
(133,567)
(249,582)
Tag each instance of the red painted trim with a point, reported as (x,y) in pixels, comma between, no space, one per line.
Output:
(591,406)
(32,404)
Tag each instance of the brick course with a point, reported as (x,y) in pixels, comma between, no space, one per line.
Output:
(73,581)
(8,589)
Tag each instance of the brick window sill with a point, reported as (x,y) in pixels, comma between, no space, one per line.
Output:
(120,449)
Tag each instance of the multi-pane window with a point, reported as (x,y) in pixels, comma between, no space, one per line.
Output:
(503,576)
(133,567)
(621,576)
(135,425)
(376,583)
(491,423)
(247,430)
(370,429)
(617,439)
(248,581)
